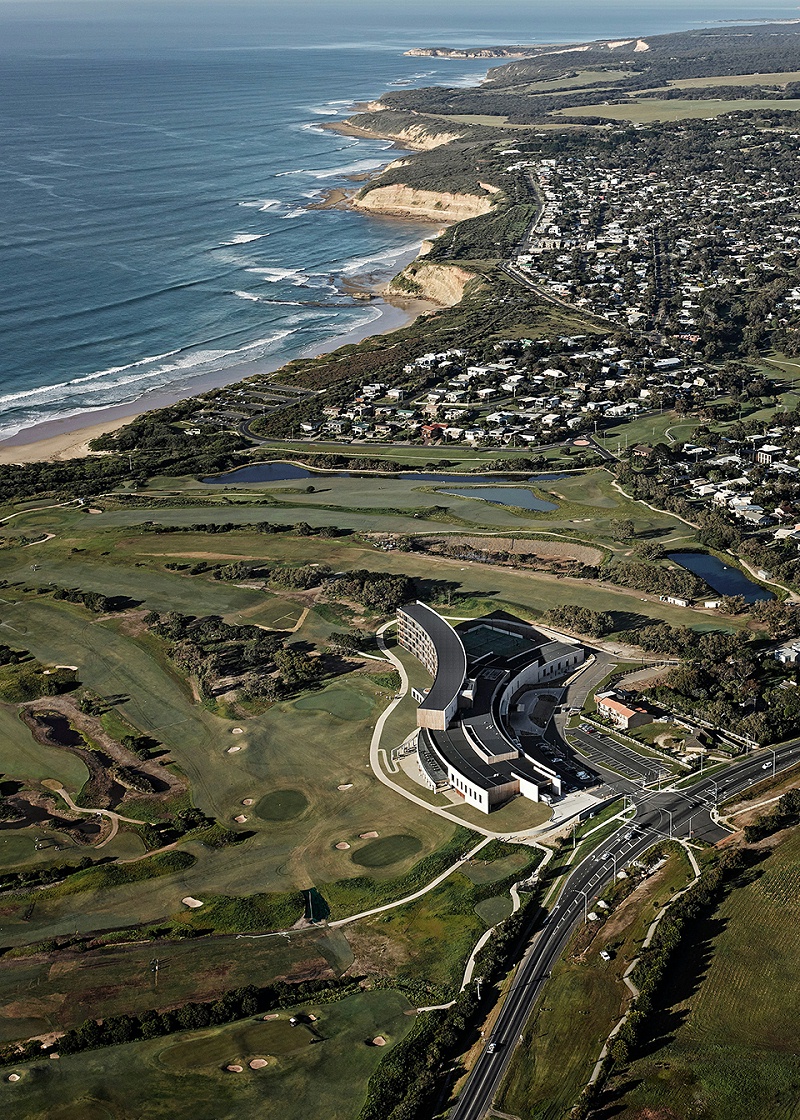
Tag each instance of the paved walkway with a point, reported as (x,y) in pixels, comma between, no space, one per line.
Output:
(115,818)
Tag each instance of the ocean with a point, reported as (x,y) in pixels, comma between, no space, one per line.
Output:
(155,229)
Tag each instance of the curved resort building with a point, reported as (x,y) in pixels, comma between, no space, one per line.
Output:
(481,671)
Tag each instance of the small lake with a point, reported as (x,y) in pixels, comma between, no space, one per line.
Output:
(277,471)
(725,579)
(505,496)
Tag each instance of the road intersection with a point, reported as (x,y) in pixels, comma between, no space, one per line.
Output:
(671,813)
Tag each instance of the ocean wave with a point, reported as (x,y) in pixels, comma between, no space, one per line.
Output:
(348,169)
(243,239)
(298,212)
(276,275)
(163,374)
(361,263)
(12,398)
(262,204)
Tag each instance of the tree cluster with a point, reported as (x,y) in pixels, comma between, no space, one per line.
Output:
(785,814)
(381,592)
(580,620)
(235,1004)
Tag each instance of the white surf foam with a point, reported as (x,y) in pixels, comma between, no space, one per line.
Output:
(262,204)
(348,169)
(362,263)
(243,239)
(275,275)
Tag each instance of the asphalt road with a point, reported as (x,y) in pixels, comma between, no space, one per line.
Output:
(659,815)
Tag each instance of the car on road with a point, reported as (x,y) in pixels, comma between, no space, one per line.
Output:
(767,766)
(583,776)
(492,1048)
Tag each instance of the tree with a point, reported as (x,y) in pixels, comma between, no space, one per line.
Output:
(622,530)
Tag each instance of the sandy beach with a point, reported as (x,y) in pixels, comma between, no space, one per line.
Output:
(68,438)
(68,445)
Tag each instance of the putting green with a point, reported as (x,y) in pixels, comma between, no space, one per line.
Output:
(281,805)
(344,703)
(387,850)
(252,1039)
(479,872)
(494,910)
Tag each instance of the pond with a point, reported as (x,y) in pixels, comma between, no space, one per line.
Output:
(277,471)
(725,579)
(505,496)
(59,730)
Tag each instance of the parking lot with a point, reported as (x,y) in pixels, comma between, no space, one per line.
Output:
(600,750)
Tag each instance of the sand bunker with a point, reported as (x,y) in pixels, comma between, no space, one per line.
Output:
(235,1069)
(249,801)
(192,903)
(237,731)
(274,1015)
(347,785)
(258,1063)
(342,846)
(379,1040)
(13,1077)
(240,819)
(233,750)
(367,835)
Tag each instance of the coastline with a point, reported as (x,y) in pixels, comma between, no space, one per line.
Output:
(68,437)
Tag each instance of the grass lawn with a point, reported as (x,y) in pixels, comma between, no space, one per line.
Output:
(182,1077)
(650,109)
(726,1046)
(581,1003)
(48,992)
(312,747)
(780,78)
(21,757)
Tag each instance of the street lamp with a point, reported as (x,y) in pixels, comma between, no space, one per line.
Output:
(585,905)
(774,760)
(669,812)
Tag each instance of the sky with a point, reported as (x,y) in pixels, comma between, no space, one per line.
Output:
(67,25)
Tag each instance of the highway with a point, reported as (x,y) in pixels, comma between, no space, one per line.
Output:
(671,812)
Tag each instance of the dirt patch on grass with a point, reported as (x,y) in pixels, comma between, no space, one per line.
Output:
(375,953)
(521,546)
(107,787)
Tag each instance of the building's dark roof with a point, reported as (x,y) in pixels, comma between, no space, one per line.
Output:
(451,656)
(452,747)
(481,719)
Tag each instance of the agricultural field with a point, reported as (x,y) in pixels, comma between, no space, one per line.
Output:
(184,1076)
(649,109)
(725,1046)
